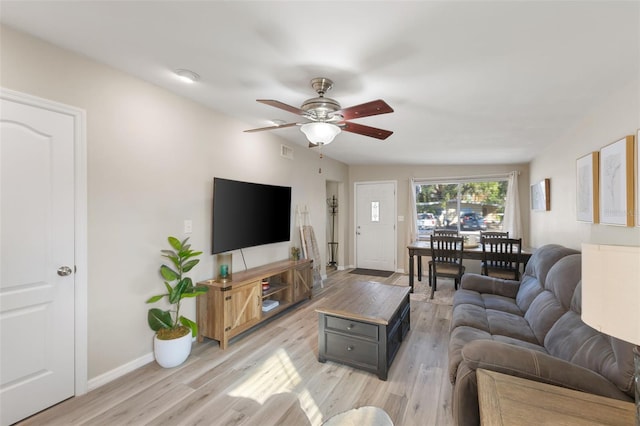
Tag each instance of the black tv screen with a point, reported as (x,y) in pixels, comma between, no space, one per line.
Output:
(249,214)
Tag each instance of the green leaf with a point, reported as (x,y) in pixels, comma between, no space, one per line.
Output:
(175,243)
(190,264)
(158,319)
(192,325)
(168,287)
(179,289)
(168,273)
(156,298)
(191,254)
(196,291)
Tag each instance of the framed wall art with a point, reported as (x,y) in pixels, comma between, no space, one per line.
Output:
(617,197)
(540,195)
(587,188)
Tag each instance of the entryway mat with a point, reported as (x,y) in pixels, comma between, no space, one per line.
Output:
(373,272)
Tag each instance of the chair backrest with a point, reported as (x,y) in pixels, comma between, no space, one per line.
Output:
(447,250)
(493,234)
(503,255)
(445,232)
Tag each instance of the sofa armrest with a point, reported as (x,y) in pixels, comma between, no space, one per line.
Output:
(535,365)
(490,285)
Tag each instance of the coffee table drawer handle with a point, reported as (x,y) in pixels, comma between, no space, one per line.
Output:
(349,348)
(350,327)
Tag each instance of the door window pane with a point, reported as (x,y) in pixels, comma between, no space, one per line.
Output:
(375,211)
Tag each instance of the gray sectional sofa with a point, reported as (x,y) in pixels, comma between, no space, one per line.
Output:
(532,329)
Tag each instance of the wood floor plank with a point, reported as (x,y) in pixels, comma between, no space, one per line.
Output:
(271,376)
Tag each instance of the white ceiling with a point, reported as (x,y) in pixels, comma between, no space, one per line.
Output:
(470,82)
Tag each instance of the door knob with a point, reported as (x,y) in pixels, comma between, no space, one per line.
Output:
(63,271)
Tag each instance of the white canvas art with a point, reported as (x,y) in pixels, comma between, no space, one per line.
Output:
(613,184)
(585,191)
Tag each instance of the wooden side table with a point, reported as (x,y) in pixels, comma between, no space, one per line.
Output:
(510,400)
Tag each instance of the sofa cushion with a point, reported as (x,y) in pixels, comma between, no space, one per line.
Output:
(487,301)
(555,299)
(535,274)
(574,341)
(463,334)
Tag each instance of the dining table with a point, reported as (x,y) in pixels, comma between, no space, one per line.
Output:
(471,251)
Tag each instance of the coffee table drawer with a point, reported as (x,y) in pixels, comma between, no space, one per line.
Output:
(351,327)
(351,350)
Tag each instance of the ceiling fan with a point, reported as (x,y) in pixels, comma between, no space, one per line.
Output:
(326,118)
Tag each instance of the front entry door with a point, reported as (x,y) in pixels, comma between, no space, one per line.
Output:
(376,225)
(37,259)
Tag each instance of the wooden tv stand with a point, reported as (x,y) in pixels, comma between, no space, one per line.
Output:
(234,307)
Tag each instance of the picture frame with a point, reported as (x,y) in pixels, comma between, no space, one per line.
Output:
(541,195)
(637,218)
(587,188)
(617,197)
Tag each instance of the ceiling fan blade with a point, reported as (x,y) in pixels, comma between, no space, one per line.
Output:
(365,130)
(281,105)
(365,110)
(271,127)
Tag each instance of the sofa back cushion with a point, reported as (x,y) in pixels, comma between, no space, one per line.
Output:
(535,274)
(576,342)
(552,302)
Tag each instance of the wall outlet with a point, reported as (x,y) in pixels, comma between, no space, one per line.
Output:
(188,226)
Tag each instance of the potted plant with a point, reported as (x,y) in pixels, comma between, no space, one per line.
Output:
(174,332)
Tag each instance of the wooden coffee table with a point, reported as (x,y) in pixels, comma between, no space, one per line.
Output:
(362,325)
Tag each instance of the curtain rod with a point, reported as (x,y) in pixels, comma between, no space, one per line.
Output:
(462,178)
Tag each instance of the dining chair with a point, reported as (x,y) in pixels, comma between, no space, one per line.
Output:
(446,260)
(493,234)
(445,232)
(501,257)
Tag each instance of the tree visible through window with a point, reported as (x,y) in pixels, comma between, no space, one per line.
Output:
(468,207)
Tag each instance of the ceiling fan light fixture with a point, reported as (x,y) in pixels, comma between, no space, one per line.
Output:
(187,76)
(320,133)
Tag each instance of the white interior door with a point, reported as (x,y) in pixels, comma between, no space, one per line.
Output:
(37,259)
(376,225)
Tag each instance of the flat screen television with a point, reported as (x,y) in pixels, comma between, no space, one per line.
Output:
(249,214)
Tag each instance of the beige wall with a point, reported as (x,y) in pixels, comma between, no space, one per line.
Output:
(617,117)
(403,173)
(152,157)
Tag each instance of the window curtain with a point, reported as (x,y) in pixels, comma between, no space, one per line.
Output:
(512,221)
(412,226)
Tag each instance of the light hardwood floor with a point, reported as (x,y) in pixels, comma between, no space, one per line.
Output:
(271,376)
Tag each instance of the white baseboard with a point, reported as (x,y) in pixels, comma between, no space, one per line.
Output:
(109,376)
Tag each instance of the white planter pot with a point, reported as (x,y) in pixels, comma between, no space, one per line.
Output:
(171,353)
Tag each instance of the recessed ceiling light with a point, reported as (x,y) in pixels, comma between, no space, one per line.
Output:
(187,76)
